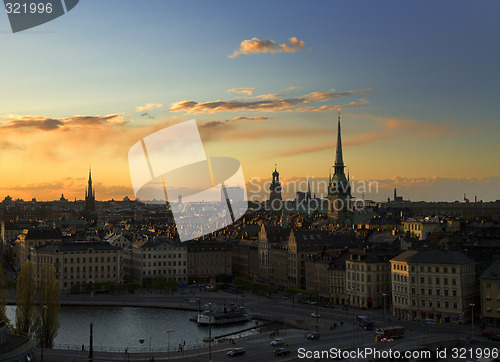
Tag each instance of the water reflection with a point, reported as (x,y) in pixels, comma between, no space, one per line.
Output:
(125,326)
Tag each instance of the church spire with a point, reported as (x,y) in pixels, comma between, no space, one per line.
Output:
(339,160)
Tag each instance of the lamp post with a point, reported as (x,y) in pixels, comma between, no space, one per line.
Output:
(385,318)
(168,344)
(44,308)
(472,313)
(91,348)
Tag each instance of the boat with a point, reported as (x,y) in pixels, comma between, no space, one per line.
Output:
(233,315)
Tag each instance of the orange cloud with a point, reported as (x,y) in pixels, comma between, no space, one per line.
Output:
(256,46)
(268,105)
(148,106)
(241,118)
(51,124)
(247,91)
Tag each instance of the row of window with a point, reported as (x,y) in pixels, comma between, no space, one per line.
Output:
(90,276)
(488,285)
(170,263)
(154,272)
(164,256)
(430,269)
(96,268)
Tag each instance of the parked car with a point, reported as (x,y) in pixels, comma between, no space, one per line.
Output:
(278,342)
(281,352)
(313,335)
(236,352)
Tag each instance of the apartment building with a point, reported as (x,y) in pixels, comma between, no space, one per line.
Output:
(207,258)
(368,278)
(158,257)
(80,262)
(434,285)
(490,295)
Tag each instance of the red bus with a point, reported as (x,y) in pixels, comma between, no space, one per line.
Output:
(390,332)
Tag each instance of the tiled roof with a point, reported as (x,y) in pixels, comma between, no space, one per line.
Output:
(493,272)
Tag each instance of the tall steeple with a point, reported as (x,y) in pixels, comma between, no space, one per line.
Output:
(275,201)
(90,195)
(339,189)
(89,189)
(339,160)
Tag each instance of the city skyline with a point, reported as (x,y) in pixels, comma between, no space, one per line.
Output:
(416,85)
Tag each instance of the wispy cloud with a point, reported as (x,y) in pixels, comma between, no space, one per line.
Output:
(241,118)
(50,124)
(148,106)
(293,88)
(246,91)
(268,105)
(256,46)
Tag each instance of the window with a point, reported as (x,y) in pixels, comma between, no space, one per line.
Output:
(422,280)
(423,303)
(438,304)
(429,269)
(430,291)
(454,292)
(437,280)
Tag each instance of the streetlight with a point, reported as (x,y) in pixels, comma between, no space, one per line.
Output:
(44,308)
(91,349)
(472,312)
(168,345)
(385,318)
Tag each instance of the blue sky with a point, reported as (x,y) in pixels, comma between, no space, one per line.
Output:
(431,112)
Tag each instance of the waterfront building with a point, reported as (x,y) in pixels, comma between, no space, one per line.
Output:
(433,285)
(159,256)
(301,244)
(268,235)
(245,259)
(368,278)
(490,295)
(206,258)
(34,238)
(80,262)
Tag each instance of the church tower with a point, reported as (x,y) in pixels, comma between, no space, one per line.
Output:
(275,191)
(339,190)
(90,196)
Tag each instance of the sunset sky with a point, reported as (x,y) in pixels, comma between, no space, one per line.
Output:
(417,83)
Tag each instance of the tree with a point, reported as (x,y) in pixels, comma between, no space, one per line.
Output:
(25,298)
(3,298)
(47,322)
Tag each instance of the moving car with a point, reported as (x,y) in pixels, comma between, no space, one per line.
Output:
(281,352)
(278,342)
(315,315)
(236,352)
(313,335)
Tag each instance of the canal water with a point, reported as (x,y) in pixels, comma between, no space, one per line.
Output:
(125,327)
